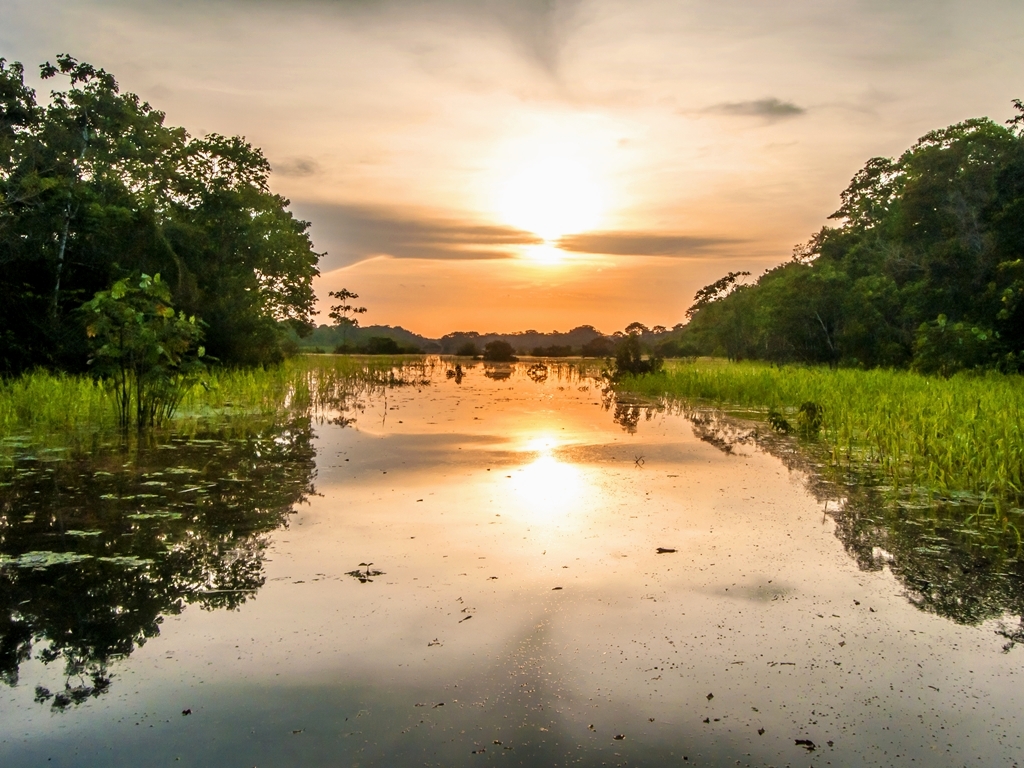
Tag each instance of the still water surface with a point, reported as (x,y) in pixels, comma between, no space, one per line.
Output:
(466,571)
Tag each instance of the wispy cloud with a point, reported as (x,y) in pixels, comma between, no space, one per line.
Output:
(768,109)
(643,244)
(296,166)
(351,233)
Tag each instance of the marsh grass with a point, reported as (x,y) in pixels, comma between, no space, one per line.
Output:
(959,439)
(59,412)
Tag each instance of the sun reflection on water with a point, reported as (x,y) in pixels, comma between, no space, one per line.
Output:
(549,488)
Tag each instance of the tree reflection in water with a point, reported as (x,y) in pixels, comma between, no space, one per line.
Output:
(95,552)
(956,558)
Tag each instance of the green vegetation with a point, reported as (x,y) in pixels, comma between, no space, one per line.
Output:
(925,270)
(956,438)
(343,314)
(630,358)
(600,346)
(95,188)
(499,352)
(65,411)
(149,354)
(469,349)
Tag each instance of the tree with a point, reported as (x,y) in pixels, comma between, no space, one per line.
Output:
(637,327)
(340,312)
(499,352)
(149,353)
(94,187)
(629,358)
(924,266)
(382,345)
(715,291)
(599,346)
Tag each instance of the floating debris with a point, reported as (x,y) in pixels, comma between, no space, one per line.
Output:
(365,576)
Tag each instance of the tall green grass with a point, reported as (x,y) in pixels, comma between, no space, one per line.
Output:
(59,410)
(956,438)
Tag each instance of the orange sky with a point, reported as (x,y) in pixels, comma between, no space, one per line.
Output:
(499,165)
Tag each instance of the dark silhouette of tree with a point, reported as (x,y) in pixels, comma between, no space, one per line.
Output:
(344,314)
(630,358)
(499,352)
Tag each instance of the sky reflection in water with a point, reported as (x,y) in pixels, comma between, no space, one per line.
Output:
(522,614)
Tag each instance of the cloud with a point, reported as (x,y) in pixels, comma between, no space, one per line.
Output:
(643,244)
(538,28)
(769,109)
(296,166)
(351,233)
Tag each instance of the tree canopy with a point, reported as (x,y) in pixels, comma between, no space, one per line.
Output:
(925,267)
(95,188)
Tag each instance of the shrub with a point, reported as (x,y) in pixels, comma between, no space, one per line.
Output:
(629,358)
(149,353)
(499,352)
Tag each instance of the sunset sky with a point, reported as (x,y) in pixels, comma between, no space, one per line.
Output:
(498,165)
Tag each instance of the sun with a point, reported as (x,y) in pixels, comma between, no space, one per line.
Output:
(551,188)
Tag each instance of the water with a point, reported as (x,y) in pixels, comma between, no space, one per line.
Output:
(467,571)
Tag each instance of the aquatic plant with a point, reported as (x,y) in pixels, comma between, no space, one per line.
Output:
(956,438)
(43,409)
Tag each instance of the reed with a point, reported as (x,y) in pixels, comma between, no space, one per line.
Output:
(956,438)
(61,411)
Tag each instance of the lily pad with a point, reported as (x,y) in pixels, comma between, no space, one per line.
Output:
(43,559)
(155,515)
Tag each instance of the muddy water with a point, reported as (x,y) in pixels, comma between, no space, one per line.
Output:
(471,571)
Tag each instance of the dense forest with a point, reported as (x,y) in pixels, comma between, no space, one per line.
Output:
(96,189)
(925,267)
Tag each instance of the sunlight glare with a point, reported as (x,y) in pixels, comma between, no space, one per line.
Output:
(551,180)
(552,195)
(545,254)
(550,488)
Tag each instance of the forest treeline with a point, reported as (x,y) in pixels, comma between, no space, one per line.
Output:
(95,188)
(924,268)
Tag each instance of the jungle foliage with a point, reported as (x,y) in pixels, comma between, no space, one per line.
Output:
(149,353)
(95,188)
(925,268)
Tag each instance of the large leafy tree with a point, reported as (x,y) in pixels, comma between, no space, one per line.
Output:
(925,266)
(94,186)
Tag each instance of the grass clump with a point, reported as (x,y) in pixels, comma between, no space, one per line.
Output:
(43,409)
(957,438)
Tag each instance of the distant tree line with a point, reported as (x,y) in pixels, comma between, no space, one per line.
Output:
(924,269)
(96,189)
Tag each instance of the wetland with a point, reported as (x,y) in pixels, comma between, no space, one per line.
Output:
(407,563)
